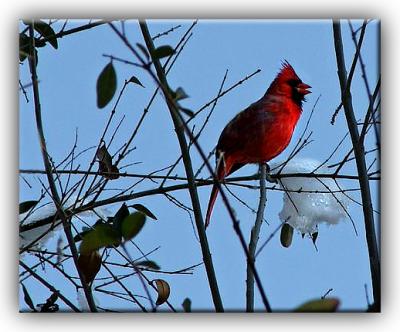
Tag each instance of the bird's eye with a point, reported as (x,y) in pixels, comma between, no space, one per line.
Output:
(294,82)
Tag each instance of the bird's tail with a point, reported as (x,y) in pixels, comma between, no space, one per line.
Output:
(222,170)
(211,202)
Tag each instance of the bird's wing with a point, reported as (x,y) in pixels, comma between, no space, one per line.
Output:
(245,129)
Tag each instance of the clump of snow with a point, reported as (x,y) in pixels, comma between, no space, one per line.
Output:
(303,208)
(47,210)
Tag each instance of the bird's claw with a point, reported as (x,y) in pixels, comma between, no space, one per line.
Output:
(270,179)
(268,175)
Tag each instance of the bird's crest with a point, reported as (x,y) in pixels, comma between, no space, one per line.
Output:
(286,70)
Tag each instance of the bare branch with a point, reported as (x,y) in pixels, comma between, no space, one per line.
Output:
(49,286)
(189,172)
(255,233)
(54,194)
(359,154)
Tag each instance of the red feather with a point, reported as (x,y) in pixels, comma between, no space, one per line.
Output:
(263,130)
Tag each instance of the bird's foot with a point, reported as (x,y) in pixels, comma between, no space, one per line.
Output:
(268,176)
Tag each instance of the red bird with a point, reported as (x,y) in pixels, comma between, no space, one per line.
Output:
(263,130)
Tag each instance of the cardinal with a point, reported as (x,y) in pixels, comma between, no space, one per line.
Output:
(263,130)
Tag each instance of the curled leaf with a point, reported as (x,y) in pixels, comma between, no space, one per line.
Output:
(314,237)
(187,305)
(114,173)
(163,291)
(27,298)
(105,163)
(320,305)
(89,264)
(286,235)
(103,155)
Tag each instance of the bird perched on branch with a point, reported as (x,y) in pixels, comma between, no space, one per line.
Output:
(263,130)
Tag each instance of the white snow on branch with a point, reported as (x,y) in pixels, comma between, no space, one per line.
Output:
(303,208)
(47,210)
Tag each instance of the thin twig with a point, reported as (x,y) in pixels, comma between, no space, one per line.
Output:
(326,293)
(166,32)
(64,33)
(202,127)
(22,88)
(364,76)
(223,93)
(117,280)
(270,237)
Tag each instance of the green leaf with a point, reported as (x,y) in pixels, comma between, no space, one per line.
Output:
(163,51)
(145,210)
(99,236)
(135,80)
(26,206)
(187,305)
(46,31)
(121,214)
(144,50)
(132,225)
(320,305)
(286,235)
(106,85)
(180,94)
(27,298)
(79,237)
(148,264)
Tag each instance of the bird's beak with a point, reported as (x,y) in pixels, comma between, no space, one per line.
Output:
(302,88)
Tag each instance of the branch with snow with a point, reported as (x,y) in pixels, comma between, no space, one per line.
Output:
(38,237)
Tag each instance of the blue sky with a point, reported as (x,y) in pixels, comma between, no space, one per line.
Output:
(290,276)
